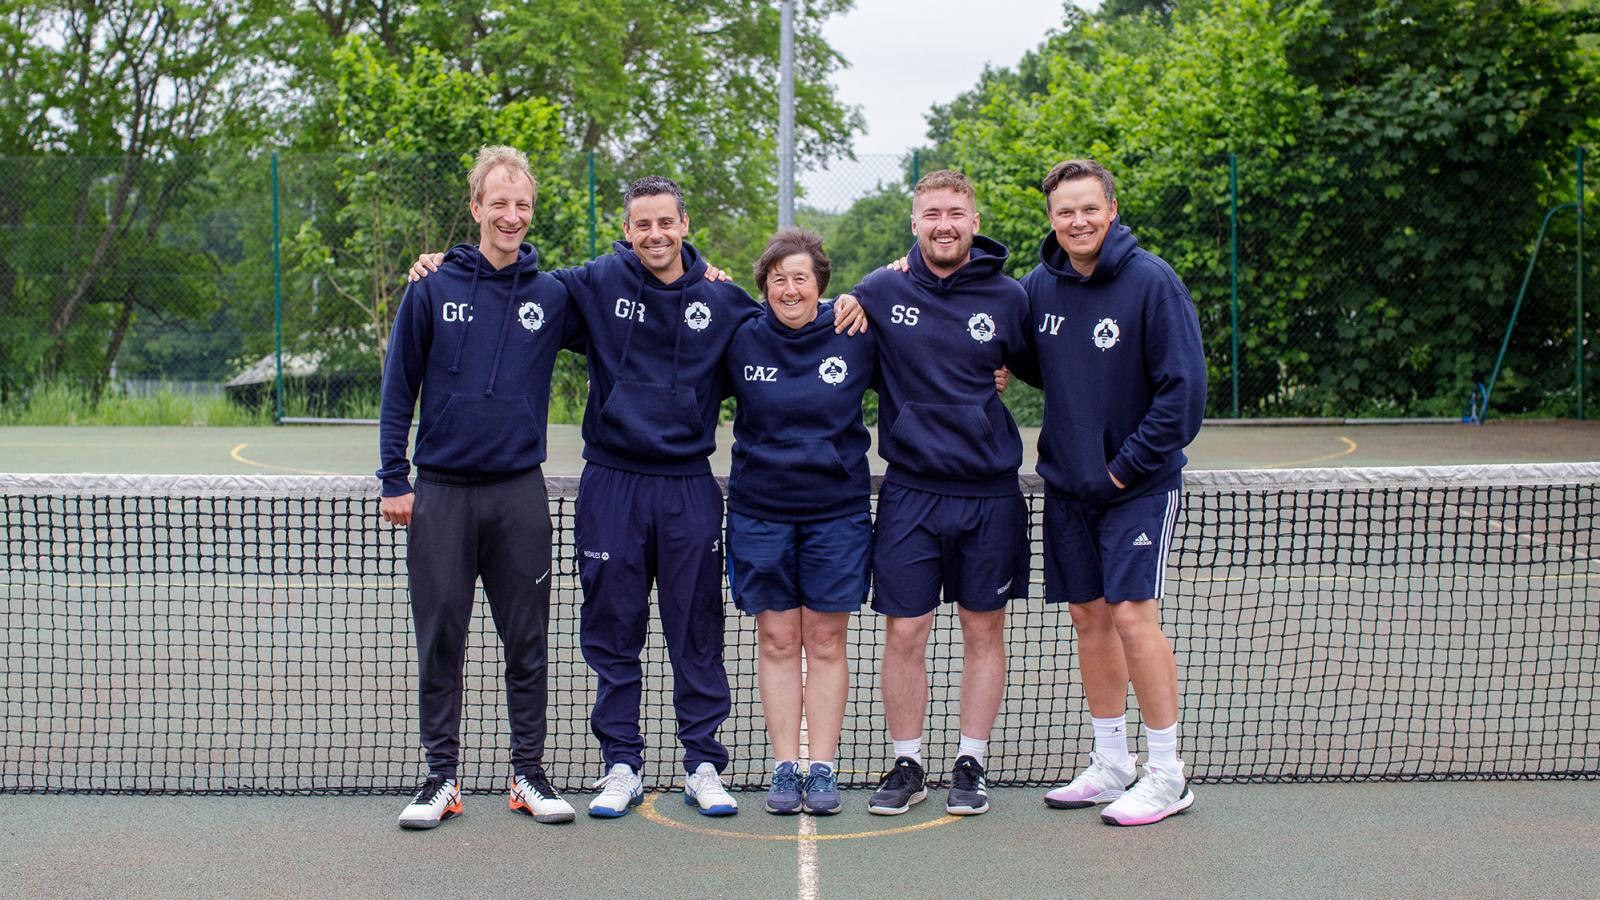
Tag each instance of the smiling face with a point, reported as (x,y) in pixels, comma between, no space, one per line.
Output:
(656,230)
(944,221)
(792,291)
(503,213)
(1081,217)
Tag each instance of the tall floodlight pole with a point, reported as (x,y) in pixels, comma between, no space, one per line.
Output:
(786,119)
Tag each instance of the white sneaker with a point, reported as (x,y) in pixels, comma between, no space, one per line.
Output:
(619,789)
(1160,793)
(533,795)
(704,789)
(437,799)
(1105,780)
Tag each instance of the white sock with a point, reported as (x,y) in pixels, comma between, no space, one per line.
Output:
(792,762)
(1163,746)
(1111,737)
(911,748)
(826,763)
(971,746)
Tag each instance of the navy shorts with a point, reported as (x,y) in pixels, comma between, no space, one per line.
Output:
(972,550)
(1116,552)
(824,566)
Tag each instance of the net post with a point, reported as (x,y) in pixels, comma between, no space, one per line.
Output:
(1233,267)
(277,297)
(1579,289)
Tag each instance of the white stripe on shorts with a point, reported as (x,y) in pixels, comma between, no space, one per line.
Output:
(1169,522)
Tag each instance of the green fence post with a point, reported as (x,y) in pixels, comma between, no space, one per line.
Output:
(1233,267)
(277,292)
(593,234)
(1580,283)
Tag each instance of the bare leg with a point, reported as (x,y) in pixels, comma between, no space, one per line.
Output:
(779,679)
(905,675)
(827,679)
(1100,659)
(1149,661)
(983,672)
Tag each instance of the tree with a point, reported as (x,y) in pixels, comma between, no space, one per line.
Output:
(128,89)
(1371,139)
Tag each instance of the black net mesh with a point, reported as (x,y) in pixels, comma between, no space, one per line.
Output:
(252,635)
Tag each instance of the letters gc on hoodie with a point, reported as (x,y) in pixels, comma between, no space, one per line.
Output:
(941,425)
(479,344)
(655,360)
(1123,370)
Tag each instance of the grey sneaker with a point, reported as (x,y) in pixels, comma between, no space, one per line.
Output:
(783,797)
(819,795)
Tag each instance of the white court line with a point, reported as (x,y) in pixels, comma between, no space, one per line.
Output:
(807,845)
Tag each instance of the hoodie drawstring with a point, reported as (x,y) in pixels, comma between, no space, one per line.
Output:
(461,342)
(505,326)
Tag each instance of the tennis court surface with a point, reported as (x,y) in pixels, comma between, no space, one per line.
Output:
(168,637)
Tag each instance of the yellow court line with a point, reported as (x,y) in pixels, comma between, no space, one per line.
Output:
(649,811)
(239,457)
(1349,448)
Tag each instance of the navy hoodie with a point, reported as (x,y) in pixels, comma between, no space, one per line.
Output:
(479,344)
(1122,367)
(941,426)
(655,360)
(799,445)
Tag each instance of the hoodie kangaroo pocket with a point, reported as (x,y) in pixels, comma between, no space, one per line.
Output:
(787,471)
(941,440)
(482,434)
(1087,459)
(644,419)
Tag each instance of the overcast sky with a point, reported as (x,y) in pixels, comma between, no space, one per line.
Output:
(906,56)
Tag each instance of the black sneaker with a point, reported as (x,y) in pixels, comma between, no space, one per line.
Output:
(969,795)
(904,786)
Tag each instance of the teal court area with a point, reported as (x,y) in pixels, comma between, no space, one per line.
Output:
(352,450)
(1492,839)
(213,674)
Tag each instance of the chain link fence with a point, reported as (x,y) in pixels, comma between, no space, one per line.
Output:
(1390,301)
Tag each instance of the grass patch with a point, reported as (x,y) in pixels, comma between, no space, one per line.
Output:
(59,404)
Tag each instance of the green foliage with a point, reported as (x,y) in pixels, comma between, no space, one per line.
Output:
(1394,161)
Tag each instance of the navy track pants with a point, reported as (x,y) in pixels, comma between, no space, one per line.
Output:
(632,530)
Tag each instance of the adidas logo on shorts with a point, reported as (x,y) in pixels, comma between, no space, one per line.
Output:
(1143,540)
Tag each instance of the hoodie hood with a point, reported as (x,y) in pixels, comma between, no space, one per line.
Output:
(1114,254)
(526,265)
(988,259)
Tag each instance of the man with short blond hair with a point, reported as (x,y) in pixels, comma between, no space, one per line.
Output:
(478,343)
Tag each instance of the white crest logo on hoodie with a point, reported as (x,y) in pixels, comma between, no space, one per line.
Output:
(981,327)
(697,316)
(833,370)
(531,316)
(1106,333)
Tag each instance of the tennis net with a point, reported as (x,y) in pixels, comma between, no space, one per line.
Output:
(252,635)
